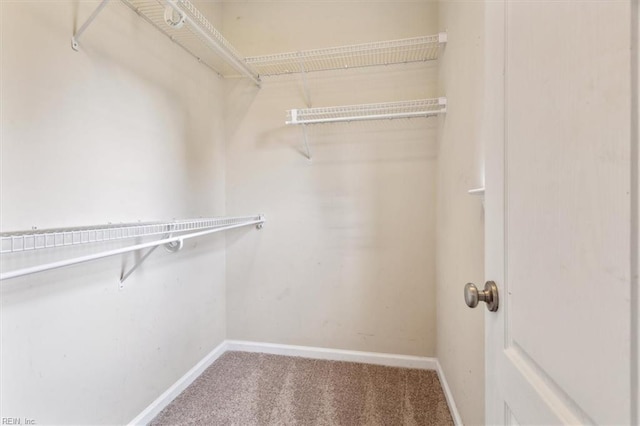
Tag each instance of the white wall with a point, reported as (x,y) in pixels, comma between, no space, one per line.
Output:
(346,259)
(460,236)
(129,128)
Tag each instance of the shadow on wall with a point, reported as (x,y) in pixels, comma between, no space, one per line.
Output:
(383,141)
(357,142)
(399,140)
(283,137)
(240,94)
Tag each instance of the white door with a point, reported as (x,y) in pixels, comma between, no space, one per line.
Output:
(561,228)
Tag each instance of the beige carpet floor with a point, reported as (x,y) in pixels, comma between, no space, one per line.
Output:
(245,389)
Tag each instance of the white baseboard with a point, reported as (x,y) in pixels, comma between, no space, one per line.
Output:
(391,360)
(457,420)
(170,394)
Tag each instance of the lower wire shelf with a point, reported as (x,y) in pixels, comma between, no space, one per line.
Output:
(172,234)
(378,111)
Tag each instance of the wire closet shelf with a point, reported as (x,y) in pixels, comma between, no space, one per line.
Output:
(186,26)
(171,234)
(379,111)
(12,242)
(415,49)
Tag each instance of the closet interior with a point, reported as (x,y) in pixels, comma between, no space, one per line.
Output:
(327,133)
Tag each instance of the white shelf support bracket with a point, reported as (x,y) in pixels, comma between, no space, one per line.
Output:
(293,115)
(442,37)
(305,84)
(125,275)
(76,36)
(478,192)
(171,247)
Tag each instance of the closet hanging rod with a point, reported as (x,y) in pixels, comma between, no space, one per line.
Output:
(199,225)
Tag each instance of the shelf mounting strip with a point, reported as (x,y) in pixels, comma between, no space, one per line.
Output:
(186,26)
(171,234)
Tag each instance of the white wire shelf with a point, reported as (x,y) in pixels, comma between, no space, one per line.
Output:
(172,235)
(415,49)
(185,25)
(12,242)
(379,111)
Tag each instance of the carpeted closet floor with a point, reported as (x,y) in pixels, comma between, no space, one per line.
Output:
(243,388)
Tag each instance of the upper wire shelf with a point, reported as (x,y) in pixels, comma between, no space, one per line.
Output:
(415,49)
(12,242)
(185,25)
(379,111)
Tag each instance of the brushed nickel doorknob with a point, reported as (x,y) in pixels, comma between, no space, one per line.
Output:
(472,296)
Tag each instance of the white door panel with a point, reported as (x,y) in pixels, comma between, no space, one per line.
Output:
(558,203)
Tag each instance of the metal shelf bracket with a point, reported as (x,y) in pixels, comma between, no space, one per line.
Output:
(305,84)
(171,247)
(76,36)
(125,275)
